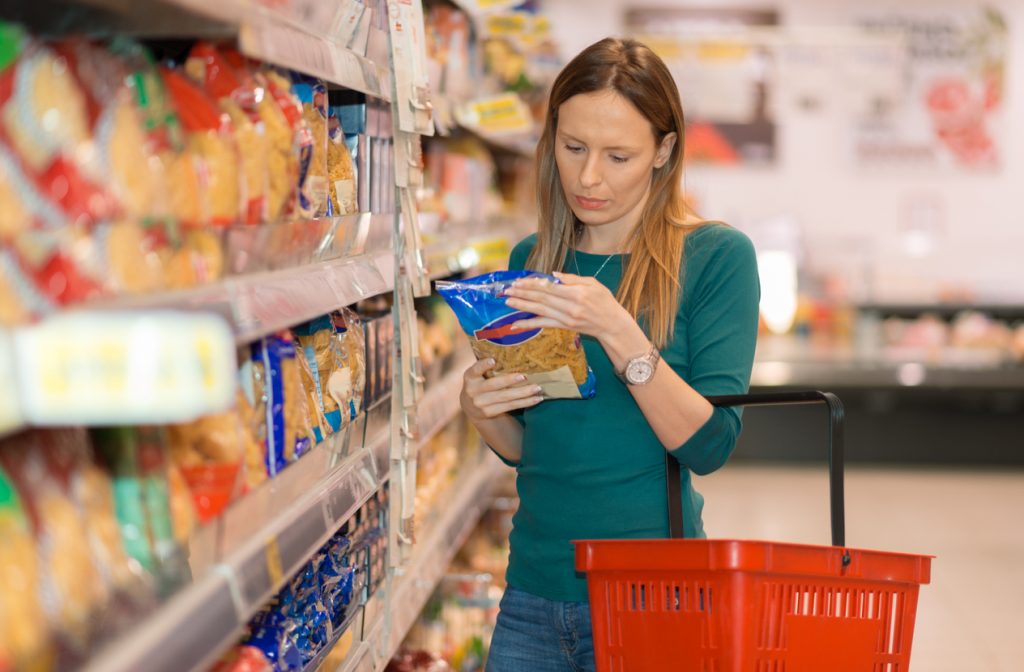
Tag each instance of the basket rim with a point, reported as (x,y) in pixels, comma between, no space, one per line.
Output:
(749,555)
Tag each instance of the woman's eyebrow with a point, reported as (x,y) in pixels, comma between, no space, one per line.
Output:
(619,148)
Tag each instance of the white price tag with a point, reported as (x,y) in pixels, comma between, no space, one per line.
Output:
(348,22)
(409,56)
(10,408)
(125,368)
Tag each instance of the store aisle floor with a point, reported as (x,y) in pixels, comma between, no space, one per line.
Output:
(970,618)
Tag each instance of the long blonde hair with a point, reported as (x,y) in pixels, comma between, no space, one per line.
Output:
(651,278)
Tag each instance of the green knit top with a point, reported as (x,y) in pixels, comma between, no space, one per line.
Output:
(594,469)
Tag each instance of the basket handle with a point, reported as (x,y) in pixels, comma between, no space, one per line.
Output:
(836,416)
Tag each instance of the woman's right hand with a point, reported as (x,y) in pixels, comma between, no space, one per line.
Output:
(487,398)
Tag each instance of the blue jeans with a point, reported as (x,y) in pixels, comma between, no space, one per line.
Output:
(538,635)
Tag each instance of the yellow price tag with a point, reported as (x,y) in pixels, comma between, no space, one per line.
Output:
(124,368)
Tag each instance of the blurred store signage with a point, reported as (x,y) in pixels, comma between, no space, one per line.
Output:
(950,111)
(725,75)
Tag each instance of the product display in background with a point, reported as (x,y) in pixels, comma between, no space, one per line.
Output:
(454,630)
(317,605)
(440,337)
(128,174)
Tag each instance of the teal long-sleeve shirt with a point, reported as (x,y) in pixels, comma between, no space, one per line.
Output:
(594,469)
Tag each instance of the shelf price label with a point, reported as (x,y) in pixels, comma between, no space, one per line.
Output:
(502,114)
(145,367)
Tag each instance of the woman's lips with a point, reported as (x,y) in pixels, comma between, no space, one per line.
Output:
(590,203)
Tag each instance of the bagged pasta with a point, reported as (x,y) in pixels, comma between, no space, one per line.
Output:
(211,150)
(341,171)
(209,453)
(238,98)
(70,582)
(288,185)
(45,122)
(323,356)
(289,433)
(252,406)
(348,330)
(313,198)
(22,623)
(551,358)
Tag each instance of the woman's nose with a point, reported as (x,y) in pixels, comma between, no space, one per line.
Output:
(590,175)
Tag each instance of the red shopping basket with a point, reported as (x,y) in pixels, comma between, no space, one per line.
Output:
(708,605)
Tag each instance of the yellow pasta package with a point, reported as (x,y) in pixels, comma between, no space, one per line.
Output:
(551,358)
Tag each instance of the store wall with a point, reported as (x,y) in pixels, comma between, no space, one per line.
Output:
(850,219)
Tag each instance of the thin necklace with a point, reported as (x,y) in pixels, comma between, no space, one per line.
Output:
(600,268)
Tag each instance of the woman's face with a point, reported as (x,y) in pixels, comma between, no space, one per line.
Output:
(606,153)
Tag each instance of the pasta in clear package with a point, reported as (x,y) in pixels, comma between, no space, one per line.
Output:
(551,358)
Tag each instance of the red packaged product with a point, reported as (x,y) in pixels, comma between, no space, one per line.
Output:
(237,95)
(211,146)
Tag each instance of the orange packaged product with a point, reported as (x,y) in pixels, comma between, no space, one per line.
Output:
(210,453)
(44,121)
(211,144)
(68,572)
(237,95)
(301,150)
(23,628)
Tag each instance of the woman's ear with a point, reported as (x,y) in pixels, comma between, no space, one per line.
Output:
(668,143)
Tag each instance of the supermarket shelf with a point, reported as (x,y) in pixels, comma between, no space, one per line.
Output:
(261,303)
(294,48)
(298,35)
(266,537)
(792,362)
(945,310)
(411,589)
(878,375)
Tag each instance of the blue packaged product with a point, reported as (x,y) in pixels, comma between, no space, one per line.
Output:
(551,358)
(278,645)
(288,434)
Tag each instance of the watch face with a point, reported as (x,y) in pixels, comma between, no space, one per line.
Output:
(639,372)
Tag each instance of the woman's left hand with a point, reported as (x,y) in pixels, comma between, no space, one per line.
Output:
(580,304)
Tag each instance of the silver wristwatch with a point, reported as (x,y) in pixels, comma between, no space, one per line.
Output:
(639,370)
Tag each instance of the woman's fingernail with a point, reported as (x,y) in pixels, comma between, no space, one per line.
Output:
(538,389)
(520,377)
(490,362)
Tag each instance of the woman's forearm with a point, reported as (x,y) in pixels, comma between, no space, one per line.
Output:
(674,410)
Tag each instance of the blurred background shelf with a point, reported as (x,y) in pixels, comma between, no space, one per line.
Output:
(435,548)
(241,559)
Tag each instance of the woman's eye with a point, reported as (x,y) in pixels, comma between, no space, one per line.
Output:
(620,159)
(575,149)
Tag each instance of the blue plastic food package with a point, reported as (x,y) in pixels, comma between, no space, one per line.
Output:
(551,358)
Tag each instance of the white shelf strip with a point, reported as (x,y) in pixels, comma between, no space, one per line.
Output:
(263,303)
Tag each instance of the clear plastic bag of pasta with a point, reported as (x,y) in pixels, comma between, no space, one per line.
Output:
(551,358)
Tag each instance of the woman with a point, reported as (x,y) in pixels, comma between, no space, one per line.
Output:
(667,306)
